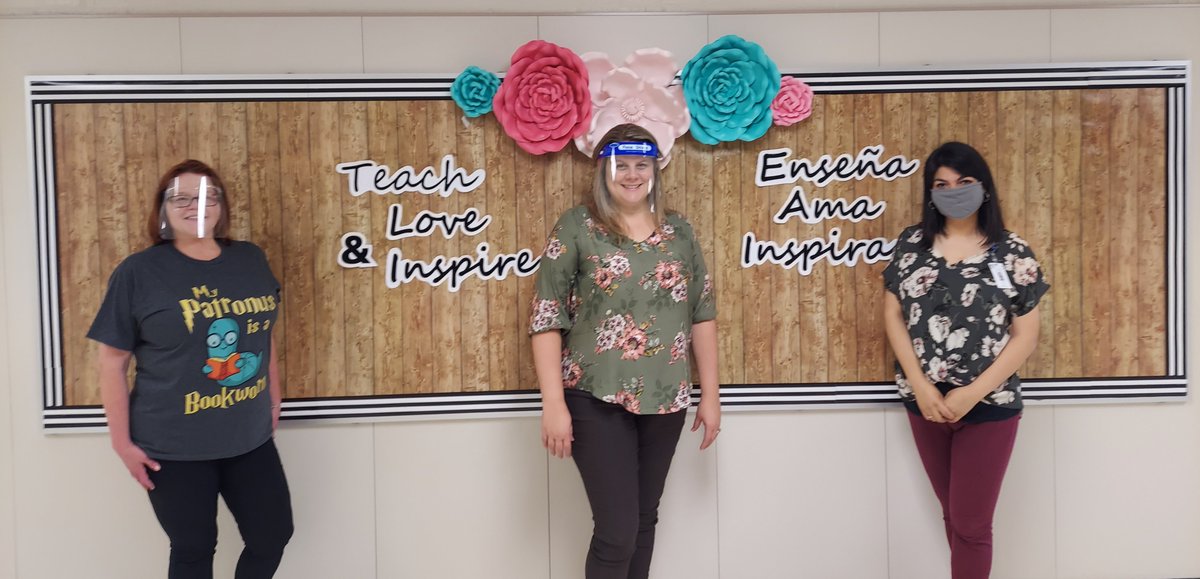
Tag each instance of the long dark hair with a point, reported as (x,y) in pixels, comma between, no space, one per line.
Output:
(154,219)
(966,161)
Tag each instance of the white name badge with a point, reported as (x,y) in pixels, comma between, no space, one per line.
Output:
(1000,276)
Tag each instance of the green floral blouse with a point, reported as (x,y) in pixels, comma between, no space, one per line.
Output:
(625,309)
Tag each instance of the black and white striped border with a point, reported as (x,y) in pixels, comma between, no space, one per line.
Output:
(733,398)
(175,88)
(1177,125)
(42,153)
(182,88)
(43,91)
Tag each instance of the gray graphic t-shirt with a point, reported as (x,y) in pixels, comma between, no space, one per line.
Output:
(200,333)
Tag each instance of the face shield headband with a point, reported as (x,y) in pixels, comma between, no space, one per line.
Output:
(637,148)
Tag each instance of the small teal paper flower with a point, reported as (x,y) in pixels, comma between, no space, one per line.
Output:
(729,86)
(473,91)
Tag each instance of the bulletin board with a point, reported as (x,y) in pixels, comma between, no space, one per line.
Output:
(372,195)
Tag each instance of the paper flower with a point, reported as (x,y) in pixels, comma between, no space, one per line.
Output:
(637,93)
(729,86)
(473,90)
(793,103)
(544,102)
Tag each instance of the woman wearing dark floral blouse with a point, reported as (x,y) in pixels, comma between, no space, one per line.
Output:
(622,293)
(961,315)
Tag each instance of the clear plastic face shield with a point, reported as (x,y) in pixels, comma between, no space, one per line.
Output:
(631,149)
(190,204)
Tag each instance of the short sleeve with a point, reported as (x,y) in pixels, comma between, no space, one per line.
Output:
(555,282)
(1027,277)
(891,273)
(115,324)
(701,297)
(266,264)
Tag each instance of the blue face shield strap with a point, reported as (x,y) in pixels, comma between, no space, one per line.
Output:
(636,148)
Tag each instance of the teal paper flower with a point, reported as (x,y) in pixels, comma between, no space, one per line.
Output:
(729,86)
(473,91)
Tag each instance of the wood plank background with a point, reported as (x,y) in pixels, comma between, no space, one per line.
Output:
(1080,173)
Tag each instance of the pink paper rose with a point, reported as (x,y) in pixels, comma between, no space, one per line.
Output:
(639,92)
(544,102)
(793,103)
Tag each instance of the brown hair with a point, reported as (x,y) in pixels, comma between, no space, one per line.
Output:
(154,223)
(600,206)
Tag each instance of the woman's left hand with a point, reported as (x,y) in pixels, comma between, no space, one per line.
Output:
(275,410)
(708,414)
(961,401)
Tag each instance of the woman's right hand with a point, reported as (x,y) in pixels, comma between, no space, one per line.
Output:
(556,429)
(137,462)
(931,402)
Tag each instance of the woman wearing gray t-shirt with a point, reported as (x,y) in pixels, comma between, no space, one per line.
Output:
(197,310)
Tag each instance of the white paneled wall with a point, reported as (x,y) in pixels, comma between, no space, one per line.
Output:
(1127,477)
(946,38)
(461,499)
(804,495)
(808,41)
(415,44)
(271,45)
(75,511)
(1092,491)
(8,537)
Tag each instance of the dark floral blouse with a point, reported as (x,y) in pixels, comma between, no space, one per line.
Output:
(959,315)
(625,309)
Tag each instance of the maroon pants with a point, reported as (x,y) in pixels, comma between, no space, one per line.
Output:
(966,464)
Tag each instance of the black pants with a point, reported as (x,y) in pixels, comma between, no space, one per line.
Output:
(623,459)
(254,489)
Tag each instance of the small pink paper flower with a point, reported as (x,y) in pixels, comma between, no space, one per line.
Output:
(793,103)
(638,92)
(544,102)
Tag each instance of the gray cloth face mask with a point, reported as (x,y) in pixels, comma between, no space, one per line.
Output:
(959,202)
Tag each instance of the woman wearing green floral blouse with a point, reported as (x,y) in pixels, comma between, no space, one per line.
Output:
(622,292)
(961,314)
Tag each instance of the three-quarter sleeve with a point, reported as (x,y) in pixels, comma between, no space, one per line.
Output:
(555,280)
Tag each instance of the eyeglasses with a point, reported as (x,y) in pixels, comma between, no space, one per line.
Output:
(185,201)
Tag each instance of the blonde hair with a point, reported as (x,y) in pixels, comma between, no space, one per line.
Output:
(601,205)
